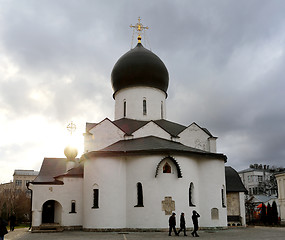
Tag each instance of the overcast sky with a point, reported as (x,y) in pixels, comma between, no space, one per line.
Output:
(226,63)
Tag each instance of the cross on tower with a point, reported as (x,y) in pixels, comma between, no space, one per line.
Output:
(71,127)
(139,28)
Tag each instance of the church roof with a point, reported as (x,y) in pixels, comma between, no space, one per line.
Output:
(130,125)
(55,167)
(139,67)
(151,144)
(233,181)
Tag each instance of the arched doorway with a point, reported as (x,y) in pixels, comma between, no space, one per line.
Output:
(51,212)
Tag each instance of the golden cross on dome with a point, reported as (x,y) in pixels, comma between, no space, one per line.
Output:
(139,28)
(71,127)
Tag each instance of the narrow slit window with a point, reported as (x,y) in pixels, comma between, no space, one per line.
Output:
(144,107)
(95,198)
(125,108)
(223,197)
(191,195)
(73,206)
(139,195)
(161,110)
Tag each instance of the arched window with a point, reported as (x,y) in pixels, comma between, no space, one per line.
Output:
(139,195)
(144,107)
(95,196)
(191,195)
(166,168)
(73,206)
(125,108)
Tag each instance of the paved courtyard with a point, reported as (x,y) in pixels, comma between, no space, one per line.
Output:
(252,233)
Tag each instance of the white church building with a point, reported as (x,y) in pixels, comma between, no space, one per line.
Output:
(136,169)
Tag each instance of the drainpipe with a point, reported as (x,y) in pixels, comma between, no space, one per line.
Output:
(27,185)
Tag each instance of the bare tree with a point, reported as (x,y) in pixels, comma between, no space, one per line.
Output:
(15,201)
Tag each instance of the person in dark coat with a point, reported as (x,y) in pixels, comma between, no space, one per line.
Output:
(182,224)
(172,224)
(12,222)
(3,229)
(195,217)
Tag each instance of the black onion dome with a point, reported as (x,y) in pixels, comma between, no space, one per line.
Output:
(139,67)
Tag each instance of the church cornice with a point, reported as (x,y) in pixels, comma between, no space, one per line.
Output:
(150,145)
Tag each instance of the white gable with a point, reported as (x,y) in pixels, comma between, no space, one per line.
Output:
(196,137)
(151,129)
(102,135)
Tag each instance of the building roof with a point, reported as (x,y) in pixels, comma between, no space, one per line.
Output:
(55,167)
(262,198)
(253,170)
(25,172)
(129,126)
(139,67)
(151,144)
(233,181)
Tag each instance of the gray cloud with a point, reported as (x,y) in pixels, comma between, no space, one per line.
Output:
(225,60)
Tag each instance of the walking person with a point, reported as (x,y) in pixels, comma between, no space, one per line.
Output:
(172,224)
(12,222)
(182,224)
(3,229)
(195,217)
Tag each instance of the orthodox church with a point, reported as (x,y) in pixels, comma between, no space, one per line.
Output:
(136,169)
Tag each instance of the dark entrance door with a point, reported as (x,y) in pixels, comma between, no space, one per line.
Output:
(48,212)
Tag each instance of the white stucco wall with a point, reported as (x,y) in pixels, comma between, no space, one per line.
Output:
(103,134)
(211,181)
(63,195)
(134,97)
(151,129)
(281,195)
(109,175)
(194,136)
(117,179)
(242,208)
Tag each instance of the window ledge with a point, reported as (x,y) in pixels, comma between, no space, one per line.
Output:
(139,205)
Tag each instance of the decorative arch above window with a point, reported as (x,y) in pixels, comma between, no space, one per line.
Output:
(170,159)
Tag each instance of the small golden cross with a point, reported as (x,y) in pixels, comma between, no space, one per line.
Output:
(71,127)
(139,28)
